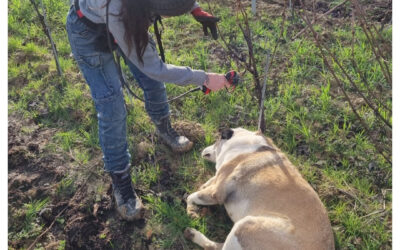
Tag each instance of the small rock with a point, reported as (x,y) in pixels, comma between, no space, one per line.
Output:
(32,105)
(372,166)
(20,57)
(204,211)
(193,131)
(320,163)
(357,241)
(46,214)
(143,149)
(32,193)
(43,69)
(322,6)
(33,147)
(95,209)
(149,234)
(18,81)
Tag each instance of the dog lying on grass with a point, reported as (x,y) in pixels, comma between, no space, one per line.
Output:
(266,197)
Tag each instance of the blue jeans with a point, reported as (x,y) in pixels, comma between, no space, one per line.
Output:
(101,74)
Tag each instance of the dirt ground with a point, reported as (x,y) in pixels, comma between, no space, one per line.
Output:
(84,218)
(89,220)
(33,175)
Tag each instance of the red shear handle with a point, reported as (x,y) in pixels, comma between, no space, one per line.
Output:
(232,77)
(206,90)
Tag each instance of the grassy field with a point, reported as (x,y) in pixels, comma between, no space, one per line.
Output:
(55,167)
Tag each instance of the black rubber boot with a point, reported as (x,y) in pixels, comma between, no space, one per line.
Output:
(128,204)
(170,137)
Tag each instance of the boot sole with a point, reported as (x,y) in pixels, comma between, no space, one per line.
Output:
(183,150)
(139,215)
(177,149)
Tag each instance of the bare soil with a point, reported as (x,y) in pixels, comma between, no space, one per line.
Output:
(84,218)
(89,220)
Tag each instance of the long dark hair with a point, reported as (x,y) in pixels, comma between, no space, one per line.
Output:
(135,16)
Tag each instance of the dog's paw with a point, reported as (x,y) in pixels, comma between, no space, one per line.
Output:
(188,233)
(193,215)
(193,211)
(204,186)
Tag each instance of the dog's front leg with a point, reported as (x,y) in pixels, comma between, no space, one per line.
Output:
(206,196)
(211,181)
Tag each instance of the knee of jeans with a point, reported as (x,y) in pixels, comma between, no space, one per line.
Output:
(160,86)
(117,147)
(150,85)
(111,108)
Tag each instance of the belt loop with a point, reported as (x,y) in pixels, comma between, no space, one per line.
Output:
(77,9)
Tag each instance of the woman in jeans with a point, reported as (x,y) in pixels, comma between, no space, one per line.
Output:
(128,23)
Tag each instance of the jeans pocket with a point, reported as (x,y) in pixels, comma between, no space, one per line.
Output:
(93,69)
(111,109)
(84,33)
(77,27)
(92,61)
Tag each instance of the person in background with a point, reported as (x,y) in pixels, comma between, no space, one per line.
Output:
(128,23)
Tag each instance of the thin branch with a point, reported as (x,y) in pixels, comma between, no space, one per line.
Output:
(31,246)
(247,36)
(317,41)
(46,29)
(377,113)
(261,119)
(317,18)
(375,47)
(250,65)
(231,51)
(384,67)
(353,196)
(370,92)
(363,14)
(91,173)
(357,69)
(280,37)
(379,211)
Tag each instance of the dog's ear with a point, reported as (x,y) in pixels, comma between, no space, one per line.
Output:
(226,134)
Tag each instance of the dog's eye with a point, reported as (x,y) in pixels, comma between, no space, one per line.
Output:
(226,134)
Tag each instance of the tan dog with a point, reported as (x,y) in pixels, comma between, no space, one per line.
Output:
(272,206)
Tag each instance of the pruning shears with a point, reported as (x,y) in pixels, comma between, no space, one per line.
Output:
(232,77)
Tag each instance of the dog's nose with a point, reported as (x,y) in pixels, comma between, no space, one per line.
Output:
(209,153)
(206,155)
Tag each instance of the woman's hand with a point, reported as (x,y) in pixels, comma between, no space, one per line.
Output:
(207,20)
(216,81)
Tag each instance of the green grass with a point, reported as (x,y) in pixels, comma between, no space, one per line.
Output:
(65,188)
(172,219)
(306,116)
(30,227)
